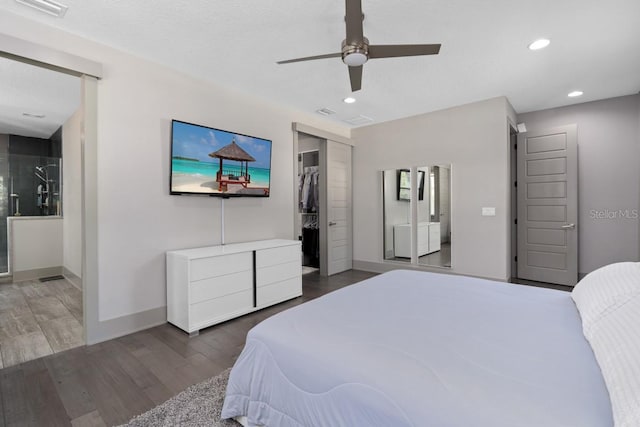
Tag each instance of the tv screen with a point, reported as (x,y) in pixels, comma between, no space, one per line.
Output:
(215,162)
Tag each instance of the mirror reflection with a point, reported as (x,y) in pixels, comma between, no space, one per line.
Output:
(434,217)
(433,230)
(396,191)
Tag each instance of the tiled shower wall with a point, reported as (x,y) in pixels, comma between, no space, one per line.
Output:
(18,158)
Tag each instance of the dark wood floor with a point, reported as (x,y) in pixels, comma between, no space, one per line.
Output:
(541,284)
(110,382)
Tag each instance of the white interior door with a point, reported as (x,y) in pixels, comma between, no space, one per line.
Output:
(338,217)
(548,205)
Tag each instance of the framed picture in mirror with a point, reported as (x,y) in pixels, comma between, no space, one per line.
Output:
(404,185)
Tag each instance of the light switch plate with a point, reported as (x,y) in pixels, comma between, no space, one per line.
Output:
(488,211)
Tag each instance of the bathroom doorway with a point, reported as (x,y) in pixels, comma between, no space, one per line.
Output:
(37,104)
(41,298)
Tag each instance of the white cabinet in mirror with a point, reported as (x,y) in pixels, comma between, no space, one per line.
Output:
(421,195)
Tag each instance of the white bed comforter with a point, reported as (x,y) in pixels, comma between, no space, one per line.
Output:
(410,348)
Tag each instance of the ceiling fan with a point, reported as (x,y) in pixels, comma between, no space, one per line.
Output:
(356,49)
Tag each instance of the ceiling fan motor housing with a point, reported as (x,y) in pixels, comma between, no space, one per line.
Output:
(355,54)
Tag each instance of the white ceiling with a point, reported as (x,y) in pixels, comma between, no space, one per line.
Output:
(33,90)
(594,47)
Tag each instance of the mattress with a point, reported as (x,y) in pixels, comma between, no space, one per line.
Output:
(410,348)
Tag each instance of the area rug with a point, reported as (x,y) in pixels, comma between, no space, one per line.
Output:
(198,405)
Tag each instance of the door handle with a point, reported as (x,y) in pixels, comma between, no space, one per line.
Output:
(569,226)
(332,223)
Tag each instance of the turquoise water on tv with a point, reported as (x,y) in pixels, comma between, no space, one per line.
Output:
(259,176)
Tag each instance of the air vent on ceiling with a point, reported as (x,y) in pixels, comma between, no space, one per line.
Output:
(34,116)
(47,6)
(325,111)
(358,120)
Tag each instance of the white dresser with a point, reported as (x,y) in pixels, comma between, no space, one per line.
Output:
(209,285)
(428,239)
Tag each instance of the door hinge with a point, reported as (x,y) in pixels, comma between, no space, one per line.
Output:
(515,146)
(515,221)
(515,258)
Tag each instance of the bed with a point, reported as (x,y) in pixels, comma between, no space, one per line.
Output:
(409,348)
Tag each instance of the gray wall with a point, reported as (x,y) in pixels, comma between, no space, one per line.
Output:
(308,143)
(72,193)
(472,138)
(608,173)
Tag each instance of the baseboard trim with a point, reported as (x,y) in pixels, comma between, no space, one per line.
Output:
(72,278)
(383,267)
(125,325)
(21,276)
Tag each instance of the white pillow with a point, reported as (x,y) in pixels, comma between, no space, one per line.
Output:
(615,340)
(604,291)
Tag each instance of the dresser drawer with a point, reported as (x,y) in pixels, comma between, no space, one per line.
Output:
(281,255)
(215,287)
(204,268)
(216,310)
(277,292)
(278,273)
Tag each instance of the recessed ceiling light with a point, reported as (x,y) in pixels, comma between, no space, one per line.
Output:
(349,100)
(34,116)
(539,44)
(47,6)
(575,93)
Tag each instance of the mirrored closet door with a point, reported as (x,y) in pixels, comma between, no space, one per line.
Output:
(423,238)
(396,190)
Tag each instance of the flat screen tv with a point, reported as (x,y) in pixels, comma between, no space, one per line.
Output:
(214,162)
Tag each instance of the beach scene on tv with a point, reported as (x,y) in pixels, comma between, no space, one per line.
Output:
(212,161)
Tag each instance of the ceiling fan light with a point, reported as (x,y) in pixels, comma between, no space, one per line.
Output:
(539,44)
(355,59)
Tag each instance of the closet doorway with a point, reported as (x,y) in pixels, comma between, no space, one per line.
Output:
(323,212)
(309,201)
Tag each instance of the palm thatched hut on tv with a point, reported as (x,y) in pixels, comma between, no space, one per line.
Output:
(233,174)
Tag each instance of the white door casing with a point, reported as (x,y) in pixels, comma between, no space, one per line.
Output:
(548,205)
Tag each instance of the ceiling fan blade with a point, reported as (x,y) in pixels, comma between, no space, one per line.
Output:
(311,58)
(355,75)
(395,50)
(353,20)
